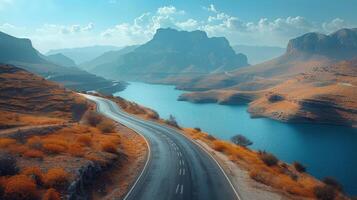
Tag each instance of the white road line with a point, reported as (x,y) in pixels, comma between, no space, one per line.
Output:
(181,189)
(180,162)
(180,172)
(183,162)
(183,172)
(177,188)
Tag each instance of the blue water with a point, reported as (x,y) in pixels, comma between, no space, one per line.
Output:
(325,150)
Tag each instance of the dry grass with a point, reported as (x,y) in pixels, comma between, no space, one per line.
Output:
(20,187)
(6,142)
(85,140)
(56,177)
(282,177)
(106,126)
(32,153)
(109,146)
(51,194)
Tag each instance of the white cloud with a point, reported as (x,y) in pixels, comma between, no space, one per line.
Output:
(210,8)
(273,32)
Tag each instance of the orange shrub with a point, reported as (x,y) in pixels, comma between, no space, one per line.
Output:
(56,177)
(34,142)
(76,150)
(106,126)
(109,147)
(18,149)
(34,173)
(85,140)
(54,148)
(51,194)
(5,142)
(218,145)
(32,153)
(20,187)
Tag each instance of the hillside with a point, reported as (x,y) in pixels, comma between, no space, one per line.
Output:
(52,142)
(81,55)
(20,52)
(174,53)
(310,76)
(60,59)
(259,54)
(110,56)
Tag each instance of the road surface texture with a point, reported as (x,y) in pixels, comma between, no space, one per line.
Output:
(176,167)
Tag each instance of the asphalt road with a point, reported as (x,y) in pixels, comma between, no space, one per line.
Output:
(176,168)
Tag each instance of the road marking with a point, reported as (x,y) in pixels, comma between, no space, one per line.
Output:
(177,188)
(183,173)
(183,162)
(181,189)
(180,172)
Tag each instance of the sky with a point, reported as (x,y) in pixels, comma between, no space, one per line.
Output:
(55,24)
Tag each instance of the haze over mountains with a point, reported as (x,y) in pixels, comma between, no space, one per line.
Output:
(84,54)
(20,52)
(316,73)
(174,53)
(258,54)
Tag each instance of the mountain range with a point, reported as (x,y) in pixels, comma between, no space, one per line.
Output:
(83,54)
(173,53)
(20,52)
(314,80)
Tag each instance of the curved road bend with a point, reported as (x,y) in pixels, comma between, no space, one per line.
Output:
(176,169)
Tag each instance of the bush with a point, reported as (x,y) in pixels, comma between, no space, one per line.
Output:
(109,147)
(172,121)
(106,126)
(56,177)
(325,192)
(76,150)
(268,158)
(34,173)
(8,165)
(51,194)
(33,153)
(54,148)
(94,118)
(35,143)
(241,140)
(197,129)
(299,167)
(78,109)
(20,187)
(218,145)
(333,183)
(85,140)
(6,142)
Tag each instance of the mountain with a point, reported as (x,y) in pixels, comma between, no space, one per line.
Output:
(110,56)
(258,54)
(61,59)
(174,53)
(314,81)
(303,54)
(83,54)
(20,52)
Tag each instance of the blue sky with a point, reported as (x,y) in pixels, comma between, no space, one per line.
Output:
(52,24)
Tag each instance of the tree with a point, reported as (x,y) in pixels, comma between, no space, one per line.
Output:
(241,140)
(172,121)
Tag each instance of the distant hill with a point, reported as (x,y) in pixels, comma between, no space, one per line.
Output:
(61,59)
(258,54)
(314,81)
(110,56)
(20,52)
(174,53)
(83,54)
(303,54)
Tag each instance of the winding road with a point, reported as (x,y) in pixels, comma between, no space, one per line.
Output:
(176,167)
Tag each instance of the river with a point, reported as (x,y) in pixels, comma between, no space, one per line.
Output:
(326,150)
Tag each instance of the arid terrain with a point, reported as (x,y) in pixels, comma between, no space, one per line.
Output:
(53,144)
